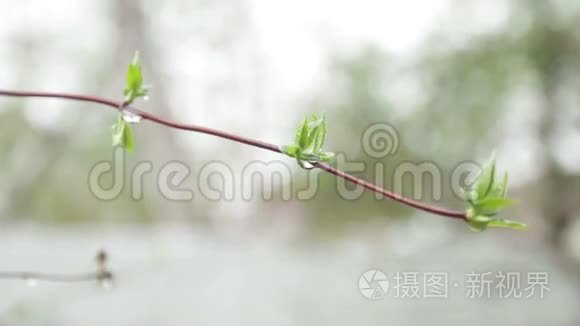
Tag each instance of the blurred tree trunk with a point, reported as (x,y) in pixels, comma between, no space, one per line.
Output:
(553,44)
(557,202)
(154,143)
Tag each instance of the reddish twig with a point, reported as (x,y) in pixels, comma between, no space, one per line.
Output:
(233,137)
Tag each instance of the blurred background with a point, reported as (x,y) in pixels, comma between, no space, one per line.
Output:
(457,79)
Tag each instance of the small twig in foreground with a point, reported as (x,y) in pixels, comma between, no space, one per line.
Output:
(102,275)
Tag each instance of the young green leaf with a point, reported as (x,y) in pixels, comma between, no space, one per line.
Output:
(499,189)
(118,132)
(470,195)
(477,226)
(128,138)
(308,142)
(494,204)
(480,223)
(486,179)
(123,135)
(309,157)
(320,135)
(481,219)
(312,136)
(315,121)
(291,150)
(303,135)
(326,156)
(508,225)
(134,74)
(486,198)
(134,88)
(314,131)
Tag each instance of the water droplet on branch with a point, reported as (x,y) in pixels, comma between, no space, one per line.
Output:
(131,117)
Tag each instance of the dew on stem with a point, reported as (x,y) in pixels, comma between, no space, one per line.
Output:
(131,117)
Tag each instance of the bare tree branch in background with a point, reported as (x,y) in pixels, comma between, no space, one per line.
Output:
(102,274)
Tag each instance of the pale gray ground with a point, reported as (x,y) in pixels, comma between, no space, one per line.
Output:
(174,277)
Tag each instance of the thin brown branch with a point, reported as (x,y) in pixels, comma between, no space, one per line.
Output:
(389,194)
(236,138)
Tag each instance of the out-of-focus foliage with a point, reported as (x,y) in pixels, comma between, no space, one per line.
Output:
(462,92)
